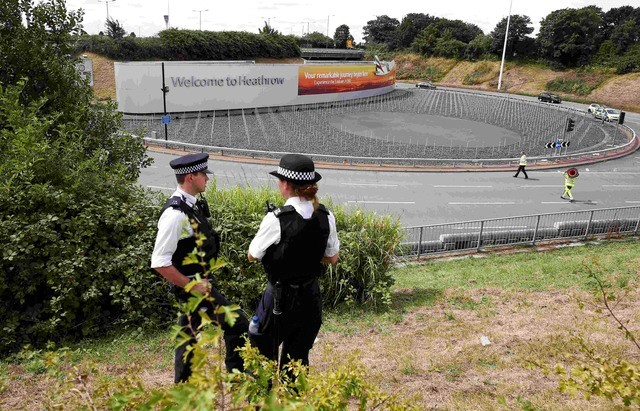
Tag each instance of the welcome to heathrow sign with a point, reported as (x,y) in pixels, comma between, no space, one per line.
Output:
(204,86)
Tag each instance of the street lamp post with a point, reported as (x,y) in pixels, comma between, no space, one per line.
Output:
(504,48)
(107,3)
(328,28)
(200,11)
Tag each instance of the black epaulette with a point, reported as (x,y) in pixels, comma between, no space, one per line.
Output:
(177,203)
(322,208)
(283,210)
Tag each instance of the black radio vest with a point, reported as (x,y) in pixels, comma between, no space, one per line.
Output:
(296,258)
(210,246)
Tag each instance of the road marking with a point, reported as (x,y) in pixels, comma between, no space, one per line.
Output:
(497,203)
(542,186)
(438,186)
(369,184)
(491,228)
(632,202)
(380,202)
(553,202)
(621,185)
(162,188)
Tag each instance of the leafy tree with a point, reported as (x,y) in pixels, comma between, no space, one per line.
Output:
(519,28)
(267,29)
(380,30)
(570,37)
(77,229)
(412,24)
(341,36)
(625,34)
(114,29)
(437,38)
(478,47)
(616,17)
(315,39)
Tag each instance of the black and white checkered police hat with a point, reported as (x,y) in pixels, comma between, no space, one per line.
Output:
(191,163)
(297,168)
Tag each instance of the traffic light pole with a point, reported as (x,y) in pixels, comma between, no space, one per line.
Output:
(164,102)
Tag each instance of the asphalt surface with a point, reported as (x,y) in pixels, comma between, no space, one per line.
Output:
(432,198)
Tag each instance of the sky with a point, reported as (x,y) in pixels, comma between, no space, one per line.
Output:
(146,17)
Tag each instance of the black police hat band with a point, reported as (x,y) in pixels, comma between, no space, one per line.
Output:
(297,175)
(191,169)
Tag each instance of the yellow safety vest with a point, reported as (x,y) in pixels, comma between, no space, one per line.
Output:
(568,181)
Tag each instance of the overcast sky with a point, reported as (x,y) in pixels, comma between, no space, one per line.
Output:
(146,17)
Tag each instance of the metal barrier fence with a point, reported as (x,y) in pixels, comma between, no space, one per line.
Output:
(525,230)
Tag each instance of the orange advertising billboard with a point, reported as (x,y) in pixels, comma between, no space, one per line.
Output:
(324,79)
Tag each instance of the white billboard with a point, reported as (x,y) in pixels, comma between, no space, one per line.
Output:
(206,86)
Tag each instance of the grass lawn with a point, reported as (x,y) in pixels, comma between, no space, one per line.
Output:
(425,347)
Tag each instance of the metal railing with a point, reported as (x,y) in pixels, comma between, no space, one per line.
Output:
(521,230)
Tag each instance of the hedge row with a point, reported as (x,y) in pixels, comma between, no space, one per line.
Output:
(176,44)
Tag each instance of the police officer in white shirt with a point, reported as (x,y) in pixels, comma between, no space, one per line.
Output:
(293,241)
(175,240)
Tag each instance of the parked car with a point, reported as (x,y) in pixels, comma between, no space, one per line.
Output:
(426,84)
(549,97)
(608,114)
(593,107)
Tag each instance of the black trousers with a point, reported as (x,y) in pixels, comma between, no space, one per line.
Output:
(521,168)
(296,328)
(232,337)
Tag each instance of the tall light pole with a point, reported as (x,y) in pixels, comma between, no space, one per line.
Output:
(107,3)
(200,11)
(504,48)
(330,15)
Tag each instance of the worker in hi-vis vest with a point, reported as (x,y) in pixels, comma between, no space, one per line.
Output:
(523,163)
(569,181)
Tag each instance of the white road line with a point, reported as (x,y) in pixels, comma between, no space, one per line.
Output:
(491,228)
(553,202)
(380,202)
(438,186)
(162,188)
(496,203)
(542,186)
(369,184)
(621,185)
(632,202)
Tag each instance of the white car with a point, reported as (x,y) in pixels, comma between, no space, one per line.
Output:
(607,114)
(593,107)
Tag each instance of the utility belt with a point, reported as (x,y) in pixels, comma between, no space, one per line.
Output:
(280,298)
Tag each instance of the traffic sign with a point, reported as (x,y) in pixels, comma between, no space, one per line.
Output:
(166,119)
(558,144)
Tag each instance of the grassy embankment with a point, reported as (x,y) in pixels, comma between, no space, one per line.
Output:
(426,347)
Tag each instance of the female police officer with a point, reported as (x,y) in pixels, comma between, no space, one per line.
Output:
(292,242)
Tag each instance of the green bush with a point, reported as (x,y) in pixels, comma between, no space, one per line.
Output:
(367,245)
(175,44)
(77,232)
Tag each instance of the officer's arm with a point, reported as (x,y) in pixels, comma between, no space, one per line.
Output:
(330,260)
(251,258)
(174,276)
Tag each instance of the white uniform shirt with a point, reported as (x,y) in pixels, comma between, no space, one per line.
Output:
(173,226)
(269,231)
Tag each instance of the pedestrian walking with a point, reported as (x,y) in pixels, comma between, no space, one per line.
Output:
(523,163)
(182,217)
(569,182)
(292,242)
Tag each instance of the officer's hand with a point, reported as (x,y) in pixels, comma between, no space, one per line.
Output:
(202,287)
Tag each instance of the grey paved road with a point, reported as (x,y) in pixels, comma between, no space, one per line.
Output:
(431,198)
